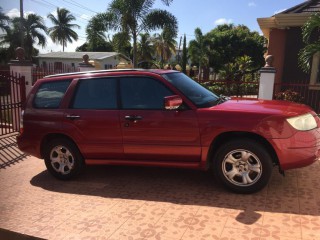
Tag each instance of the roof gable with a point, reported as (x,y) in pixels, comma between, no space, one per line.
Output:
(293,17)
(311,6)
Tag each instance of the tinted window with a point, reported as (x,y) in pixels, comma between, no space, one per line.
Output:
(98,93)
(143,93)
(49,95)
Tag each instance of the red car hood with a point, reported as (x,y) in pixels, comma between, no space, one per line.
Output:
(271,107)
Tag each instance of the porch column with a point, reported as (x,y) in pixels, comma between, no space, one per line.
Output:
(85,65)
(22,67)
(267,77)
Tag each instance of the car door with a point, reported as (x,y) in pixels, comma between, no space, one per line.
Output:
(149,131)
(93,118)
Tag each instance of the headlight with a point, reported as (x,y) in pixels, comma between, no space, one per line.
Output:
(303,123)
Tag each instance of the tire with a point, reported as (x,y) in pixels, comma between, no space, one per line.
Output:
(63,159)
(243,166)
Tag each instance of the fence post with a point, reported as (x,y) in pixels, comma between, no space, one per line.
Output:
(267,77)
(22,67)
(85,65)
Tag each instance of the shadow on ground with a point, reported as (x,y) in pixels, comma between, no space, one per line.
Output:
(9,151)
(190,187)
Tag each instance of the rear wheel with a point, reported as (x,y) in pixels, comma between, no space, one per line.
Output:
(63,159)
(243,166)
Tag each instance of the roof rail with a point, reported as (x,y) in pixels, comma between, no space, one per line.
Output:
(96,71)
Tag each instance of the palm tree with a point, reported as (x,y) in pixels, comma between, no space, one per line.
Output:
(62,31)
(145,49)
(121,43)
(33,26)
(306,54)
(4,21)
(184,55)
(135,16)
(199,50)
(95,33)
(164,45)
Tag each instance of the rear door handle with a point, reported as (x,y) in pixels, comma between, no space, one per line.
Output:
(133,118)
(72,117)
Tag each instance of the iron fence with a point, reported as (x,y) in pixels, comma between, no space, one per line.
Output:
(13,96)
(310,94)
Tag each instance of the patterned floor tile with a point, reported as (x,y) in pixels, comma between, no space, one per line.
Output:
(284,225)
(150,203)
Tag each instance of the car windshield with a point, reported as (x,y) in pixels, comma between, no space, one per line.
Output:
(199,95)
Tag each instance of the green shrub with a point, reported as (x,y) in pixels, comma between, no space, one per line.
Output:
(289,95)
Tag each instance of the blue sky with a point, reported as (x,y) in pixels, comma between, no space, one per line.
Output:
(206,14)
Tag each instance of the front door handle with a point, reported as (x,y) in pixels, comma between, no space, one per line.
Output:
(72,117)
(133,118)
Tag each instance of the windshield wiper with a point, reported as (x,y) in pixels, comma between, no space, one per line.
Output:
(222,99)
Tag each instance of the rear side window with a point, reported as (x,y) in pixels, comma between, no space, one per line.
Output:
(50,94)
(143,93)
(96,93)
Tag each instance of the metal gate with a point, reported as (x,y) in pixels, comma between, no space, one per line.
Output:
(12,96)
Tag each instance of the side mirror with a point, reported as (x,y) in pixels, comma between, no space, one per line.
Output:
(172,102)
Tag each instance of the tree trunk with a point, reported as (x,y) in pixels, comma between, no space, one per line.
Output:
(135,50)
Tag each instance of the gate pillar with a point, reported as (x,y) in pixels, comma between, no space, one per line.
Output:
(85,65)
(22,67)
(267,77)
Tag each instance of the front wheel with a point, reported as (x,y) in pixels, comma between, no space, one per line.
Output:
(243,166)
(63,159)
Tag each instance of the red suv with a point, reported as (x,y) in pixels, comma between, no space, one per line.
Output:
(164,118)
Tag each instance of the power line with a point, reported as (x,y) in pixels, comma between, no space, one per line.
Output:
(80,6)
(50,6)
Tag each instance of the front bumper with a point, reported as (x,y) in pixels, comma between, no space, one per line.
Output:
(300,150)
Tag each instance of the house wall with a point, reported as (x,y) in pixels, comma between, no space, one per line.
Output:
(291,70)
(106,63)
(110,62)
(51,61)
(276,47)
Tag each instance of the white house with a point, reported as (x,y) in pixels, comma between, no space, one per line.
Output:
(100,60)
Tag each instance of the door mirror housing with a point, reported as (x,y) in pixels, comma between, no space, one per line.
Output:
(172,102)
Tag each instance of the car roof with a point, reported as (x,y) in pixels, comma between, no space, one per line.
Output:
(107,72)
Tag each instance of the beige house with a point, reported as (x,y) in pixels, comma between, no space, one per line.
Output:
(100,60)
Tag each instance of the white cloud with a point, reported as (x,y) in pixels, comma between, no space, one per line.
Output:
(252,4)
(16,13)
(13,13)
(279,11)
(52,47)
(54,13)
(222,21)
(85,17)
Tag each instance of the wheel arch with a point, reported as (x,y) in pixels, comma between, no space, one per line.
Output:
(228,136)
(52,136)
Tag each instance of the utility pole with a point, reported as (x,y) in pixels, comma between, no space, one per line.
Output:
(21,24)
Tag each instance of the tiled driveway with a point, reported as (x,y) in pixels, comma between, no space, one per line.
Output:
(109,202)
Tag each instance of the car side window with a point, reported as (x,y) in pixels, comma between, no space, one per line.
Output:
(50,94)
(97,93)
(143,93)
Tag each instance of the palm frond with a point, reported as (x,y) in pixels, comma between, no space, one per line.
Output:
(306,55)
(313,24)
(160,19)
